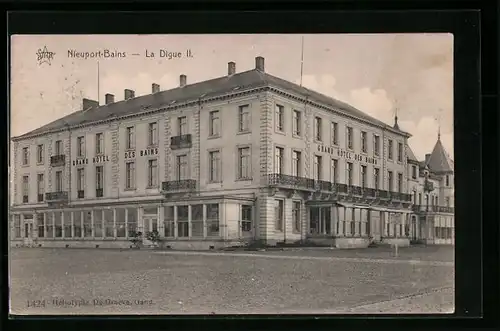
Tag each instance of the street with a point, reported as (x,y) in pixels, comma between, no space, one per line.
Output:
(92,281)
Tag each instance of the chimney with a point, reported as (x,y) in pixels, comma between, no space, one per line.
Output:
(231,68)
(129,94)
(182,80)
(259,63)
(110,98)
(155,88)
(88,103)
(427,157)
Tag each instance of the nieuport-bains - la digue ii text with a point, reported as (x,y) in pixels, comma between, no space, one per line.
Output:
(243,158)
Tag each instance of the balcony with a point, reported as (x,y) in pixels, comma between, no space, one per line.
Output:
(60,196)
(178,186)
(433,209)
(293,182)
(398,196)
(428,186)
(182,141)
(58,160)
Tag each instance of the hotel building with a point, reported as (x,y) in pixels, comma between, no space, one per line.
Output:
(241,158)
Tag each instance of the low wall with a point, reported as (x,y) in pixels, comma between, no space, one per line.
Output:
(401,242)
(352,242)
(171,244)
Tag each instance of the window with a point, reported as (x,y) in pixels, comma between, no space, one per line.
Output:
(317,175)
(364,145)
(80,146)
(350,142)
(363,176)
(58,224)
(99,144)
(196,220)
(296,216)
(182,221)
(244,118)
(349,173)
(87,224)
(246,218)
(182,167)
(244,163)
(80,182)
(278,160)
(414,172)
(335,170)
(130,138)
(447,201)
(400,152)
(108,223)
(120,223)
(99,178)
(130,175)
(317,129)
(335,133)
(59,181)
(390,180)
(26,156)
(40,187)
(214,128)
(415,197)
(280,118)
(447,178)
(131,221)
(376,178)
(40,154)
(214,171)
(296,163)
(40,220)
(153,173)
(182,125)
(390,148)
(400,183)
(168,221)
(59,147)
(67,225)
(376,145)
(213,219)
(297,123)
(26,188)
(420,198)
(98,233)
(278,214)
(153,134)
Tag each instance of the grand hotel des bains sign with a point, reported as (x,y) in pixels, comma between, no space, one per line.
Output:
(341,153)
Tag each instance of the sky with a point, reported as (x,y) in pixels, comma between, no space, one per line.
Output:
(376,73)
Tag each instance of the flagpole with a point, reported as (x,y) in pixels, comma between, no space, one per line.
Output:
(302,61)
(98,87)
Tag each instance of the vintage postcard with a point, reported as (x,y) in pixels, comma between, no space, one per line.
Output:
(231,174)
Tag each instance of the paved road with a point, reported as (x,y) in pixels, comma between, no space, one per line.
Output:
(149,282)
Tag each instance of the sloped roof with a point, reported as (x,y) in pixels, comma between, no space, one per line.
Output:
(410,155)
(193,92)
(440,161)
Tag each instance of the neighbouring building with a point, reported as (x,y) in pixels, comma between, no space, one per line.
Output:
(244,157)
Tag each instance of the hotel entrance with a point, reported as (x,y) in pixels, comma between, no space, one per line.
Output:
(320,221)
(149,223)
(28,230)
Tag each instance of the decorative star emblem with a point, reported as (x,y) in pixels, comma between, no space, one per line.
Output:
(44,55)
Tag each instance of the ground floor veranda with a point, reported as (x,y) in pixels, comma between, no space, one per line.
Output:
(211,222)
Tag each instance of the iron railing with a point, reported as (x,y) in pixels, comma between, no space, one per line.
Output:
(179,185)
(182,141)
(433,209)
(58,160)
(56,196)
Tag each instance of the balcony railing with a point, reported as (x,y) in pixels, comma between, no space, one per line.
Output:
(182,141)
(307,184)
(56,196)
(433,209)
(58,160)
(184,185)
